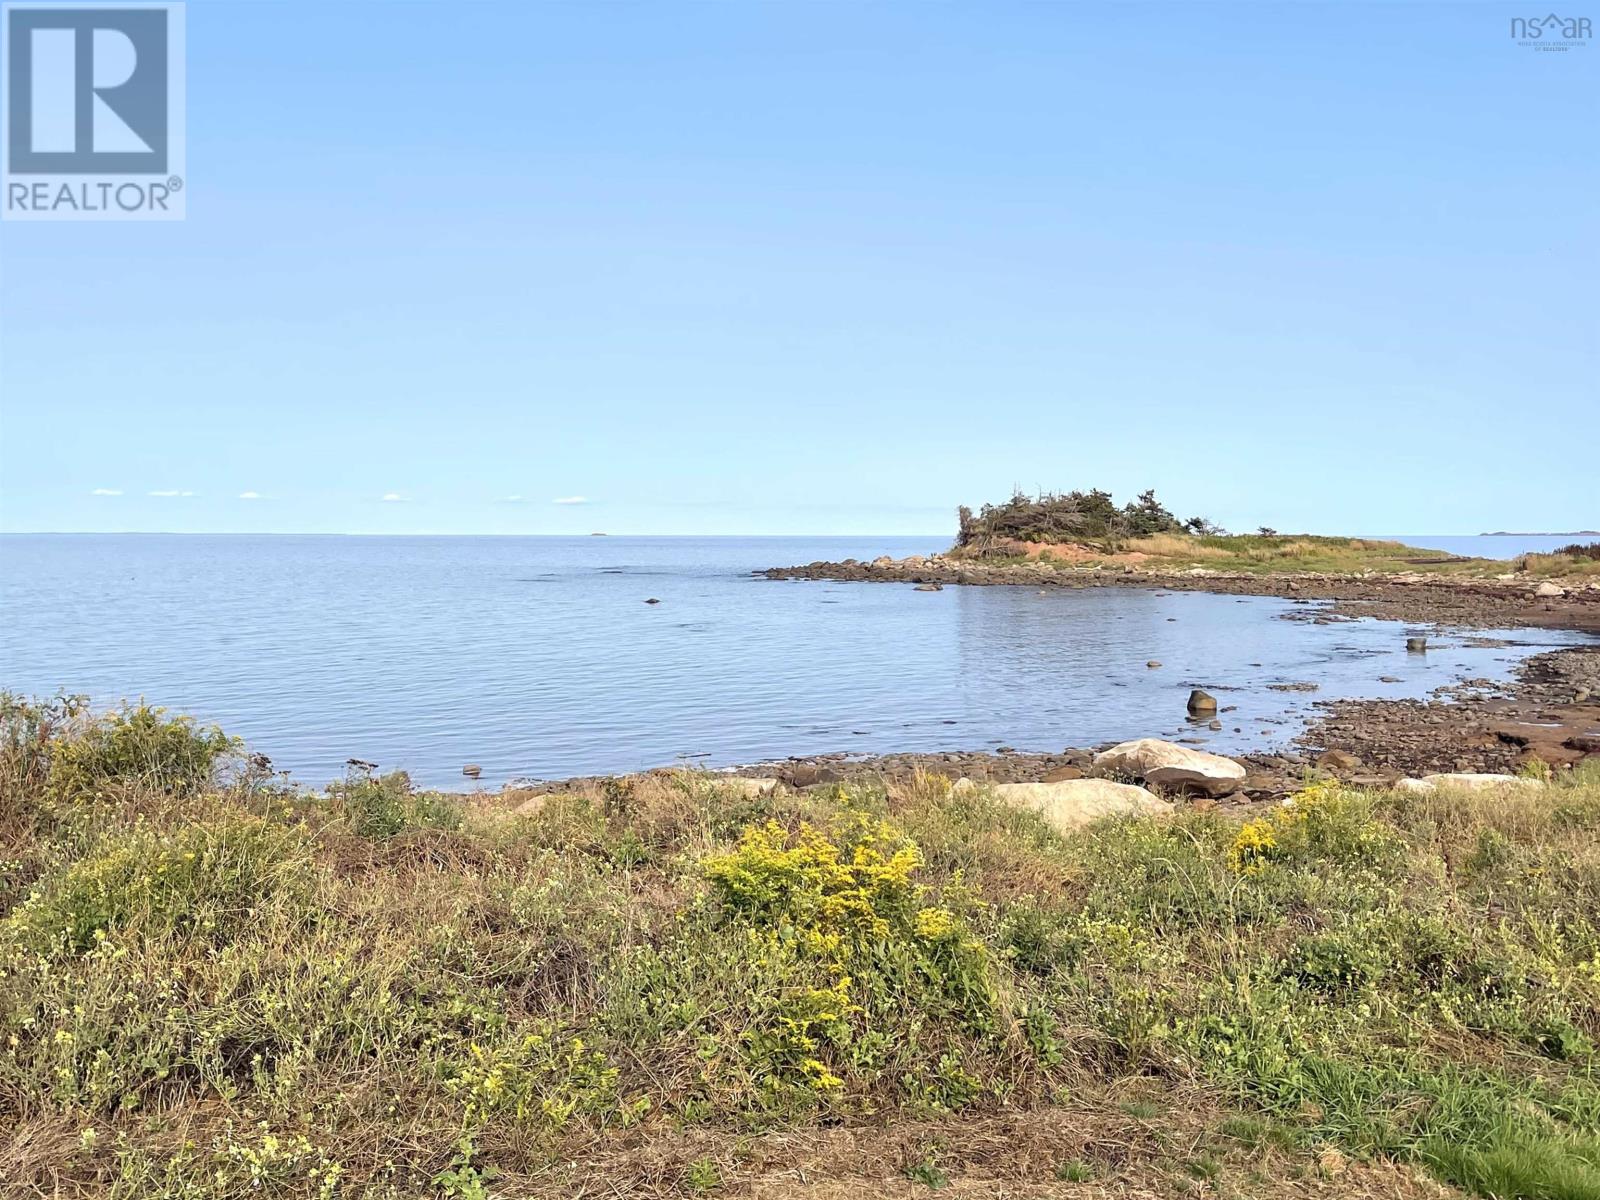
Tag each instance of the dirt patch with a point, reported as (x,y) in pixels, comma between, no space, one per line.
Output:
(1082,1151)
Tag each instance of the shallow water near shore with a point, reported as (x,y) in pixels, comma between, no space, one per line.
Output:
(538,658)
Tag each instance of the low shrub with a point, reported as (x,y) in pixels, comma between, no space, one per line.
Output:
(135,748)
(383,806)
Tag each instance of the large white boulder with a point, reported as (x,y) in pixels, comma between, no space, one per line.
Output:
(1169,765)
(746,787)
(1074,803)
(1550,591)
(1463,781)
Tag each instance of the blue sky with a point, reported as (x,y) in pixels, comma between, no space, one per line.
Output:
(781,268)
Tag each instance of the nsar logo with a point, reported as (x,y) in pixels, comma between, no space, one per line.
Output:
(1551,32)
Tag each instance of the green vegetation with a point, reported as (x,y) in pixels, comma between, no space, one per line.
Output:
(1090,517)
(1087,528)
(212,987)
(1265,553)
(1575,559)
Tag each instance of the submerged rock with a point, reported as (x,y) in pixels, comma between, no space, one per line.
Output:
(1167,764)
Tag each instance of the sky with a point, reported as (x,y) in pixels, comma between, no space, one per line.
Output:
(828,268)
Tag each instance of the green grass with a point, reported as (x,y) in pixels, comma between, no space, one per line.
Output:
(1303,552)
(213,987)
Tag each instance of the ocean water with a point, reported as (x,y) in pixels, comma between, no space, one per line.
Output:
(1504,545)
(538,657)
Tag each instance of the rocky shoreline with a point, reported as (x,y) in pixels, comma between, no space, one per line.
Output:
(1454,601)
(1549,711)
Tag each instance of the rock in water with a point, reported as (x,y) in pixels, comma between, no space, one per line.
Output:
(1416,644)
(1153,663)
(1200,702)
(652,600)
(1074,803)
(928,587)
(472,770)
(1466,781)
(1167,764)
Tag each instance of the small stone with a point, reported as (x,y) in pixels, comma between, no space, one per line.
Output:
(472,770)
(1416,644)
(1153,664)
(652,600)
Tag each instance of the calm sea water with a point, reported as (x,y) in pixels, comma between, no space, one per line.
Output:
(1507,545)
(537,657)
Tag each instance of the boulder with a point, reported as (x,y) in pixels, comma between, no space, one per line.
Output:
(1467,781)
(1074,803)
(1338,760)
(1202,702)
(1062,774)
(746,787)
(1549,591)
(803,775)
(1167,764)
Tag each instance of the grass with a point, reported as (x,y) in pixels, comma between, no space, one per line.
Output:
(1301,552)
(213,987)
(1575,560)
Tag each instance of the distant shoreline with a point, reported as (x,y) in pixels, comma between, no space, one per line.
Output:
(1575,533)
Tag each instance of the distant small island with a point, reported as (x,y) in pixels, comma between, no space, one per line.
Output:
(1516,533)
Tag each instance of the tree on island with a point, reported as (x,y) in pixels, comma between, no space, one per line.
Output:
(1082,517)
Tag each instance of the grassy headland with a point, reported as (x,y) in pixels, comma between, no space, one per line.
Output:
(1089,529)
(213,986)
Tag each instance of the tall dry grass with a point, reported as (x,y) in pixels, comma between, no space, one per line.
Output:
(214,986)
